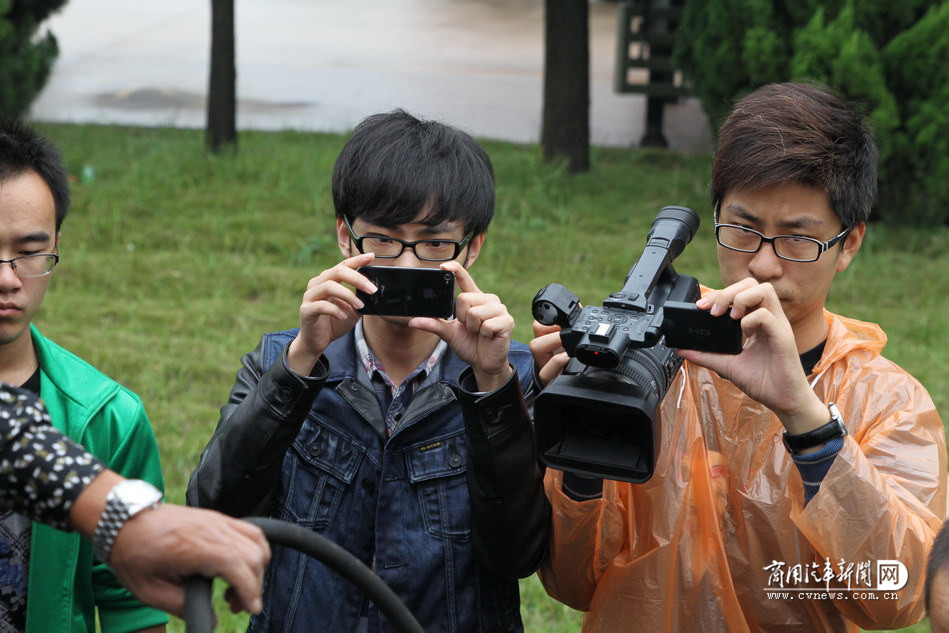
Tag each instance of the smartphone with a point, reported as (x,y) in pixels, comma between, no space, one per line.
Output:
(426,292)
(686,326)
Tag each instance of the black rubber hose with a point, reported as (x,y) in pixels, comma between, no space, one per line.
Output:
(199,615)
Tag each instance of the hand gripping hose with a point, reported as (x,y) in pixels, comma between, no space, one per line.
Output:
(199,615)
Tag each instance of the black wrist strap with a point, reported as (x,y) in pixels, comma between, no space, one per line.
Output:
(818,436)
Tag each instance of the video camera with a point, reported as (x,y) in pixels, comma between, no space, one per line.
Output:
(598,417)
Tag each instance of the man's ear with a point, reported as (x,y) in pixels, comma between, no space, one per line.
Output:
(343,240)
(851,246)
(56,243)
(474,249)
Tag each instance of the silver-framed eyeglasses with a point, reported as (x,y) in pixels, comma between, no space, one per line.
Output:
(386,247)
(795,248)
(32,265)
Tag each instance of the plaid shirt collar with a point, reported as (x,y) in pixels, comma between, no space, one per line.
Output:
(372,365)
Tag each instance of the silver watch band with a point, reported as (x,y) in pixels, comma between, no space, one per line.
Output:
(126,499)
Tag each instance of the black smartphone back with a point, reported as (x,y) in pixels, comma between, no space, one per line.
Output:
(685,326)
(428,292)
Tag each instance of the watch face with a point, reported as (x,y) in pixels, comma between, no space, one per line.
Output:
(135,494)
(126,499)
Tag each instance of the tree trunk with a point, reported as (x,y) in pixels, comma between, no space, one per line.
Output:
(566,122)
(222,106)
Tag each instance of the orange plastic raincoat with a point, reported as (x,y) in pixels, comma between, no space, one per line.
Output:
(687,550)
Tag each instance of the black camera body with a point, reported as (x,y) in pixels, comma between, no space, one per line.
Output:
(598,417)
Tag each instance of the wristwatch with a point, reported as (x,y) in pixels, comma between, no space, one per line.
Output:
(820,435)
(126,499)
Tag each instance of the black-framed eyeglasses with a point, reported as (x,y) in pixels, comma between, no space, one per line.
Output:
(32,265)
(795,248)
(386,247)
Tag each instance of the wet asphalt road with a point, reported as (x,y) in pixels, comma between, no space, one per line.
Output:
(325,64)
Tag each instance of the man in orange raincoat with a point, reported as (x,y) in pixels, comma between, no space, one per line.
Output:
(799,485)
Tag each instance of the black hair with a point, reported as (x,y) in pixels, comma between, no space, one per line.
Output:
(938,560)
(23,149)
(800,133)
(396,167)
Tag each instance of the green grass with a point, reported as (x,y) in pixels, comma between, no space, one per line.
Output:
(180,260)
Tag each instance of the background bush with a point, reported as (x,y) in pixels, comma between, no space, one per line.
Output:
(25,58)
(889,56)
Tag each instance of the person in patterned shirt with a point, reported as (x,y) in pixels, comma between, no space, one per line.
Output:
(52,480)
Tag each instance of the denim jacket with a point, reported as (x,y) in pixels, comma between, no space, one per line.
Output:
(310,450)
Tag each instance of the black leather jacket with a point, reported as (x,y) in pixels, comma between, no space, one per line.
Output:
(510,512)
(241,466)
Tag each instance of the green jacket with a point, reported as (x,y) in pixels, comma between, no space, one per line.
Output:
(65,582)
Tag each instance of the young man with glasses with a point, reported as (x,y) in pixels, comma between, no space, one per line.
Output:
(353,426)
(50,580)
(789,475)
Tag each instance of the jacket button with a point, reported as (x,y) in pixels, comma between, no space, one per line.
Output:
(492,415)
(369,485)
(455,460)
(284,394)
(316,450)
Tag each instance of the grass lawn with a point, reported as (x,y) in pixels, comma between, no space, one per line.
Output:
(174,263)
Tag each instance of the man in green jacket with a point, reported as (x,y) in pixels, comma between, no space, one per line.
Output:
(50,581)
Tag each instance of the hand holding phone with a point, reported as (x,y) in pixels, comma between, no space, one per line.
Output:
(328,311)
(481,333)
